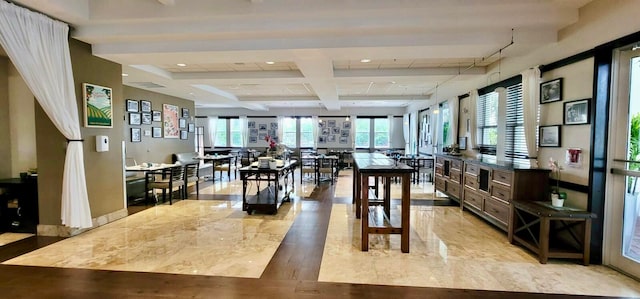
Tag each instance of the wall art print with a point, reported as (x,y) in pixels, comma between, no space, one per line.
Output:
(170,118)
(98,106)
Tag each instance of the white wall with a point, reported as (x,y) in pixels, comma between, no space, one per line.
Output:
(22,124)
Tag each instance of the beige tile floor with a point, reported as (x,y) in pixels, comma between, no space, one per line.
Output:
(6,238)
(454,249)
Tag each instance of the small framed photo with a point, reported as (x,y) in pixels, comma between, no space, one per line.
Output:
(132,106)
(184,134)
(576,112)
(251,124)
(136,135)
(98,106)
(183,123)
(146,118)
(551,91)
(185,112)
(134,119)
(549,136)
(147,133)
(331,123)
(191,127)
(156,132)
(157,115)
(145,106)
(346,125)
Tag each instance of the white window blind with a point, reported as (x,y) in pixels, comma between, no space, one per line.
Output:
(515,145)
(306,132)
(289,132)
(221,132)
(487,118)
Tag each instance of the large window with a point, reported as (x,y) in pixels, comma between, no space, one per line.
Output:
(380,133)
(515,145)
(221,132)
(235,130)
(306,132)
(363,131)
(488,122)
(289,132)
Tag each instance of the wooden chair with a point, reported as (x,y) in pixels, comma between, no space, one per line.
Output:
(308,166)
(228,168)
(192,175)
(164,179)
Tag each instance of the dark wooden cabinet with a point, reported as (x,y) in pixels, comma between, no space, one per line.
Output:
(448,179)
(19,205)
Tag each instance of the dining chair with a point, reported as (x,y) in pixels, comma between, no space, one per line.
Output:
(192,175)
(165,179)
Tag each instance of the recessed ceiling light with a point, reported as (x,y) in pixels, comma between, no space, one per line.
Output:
(365,60)
(181,64)
(392,82)
(270,62)
(125,75)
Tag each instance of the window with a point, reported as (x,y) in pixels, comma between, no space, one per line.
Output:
(380,133)
(487,115)
(515,145)
(289,132)
(221,132)
(445,117)
(306,132)
(235,130)
(363,130)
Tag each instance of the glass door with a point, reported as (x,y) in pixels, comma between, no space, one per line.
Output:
(622,219)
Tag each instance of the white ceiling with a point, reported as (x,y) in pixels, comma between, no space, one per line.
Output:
(316,46)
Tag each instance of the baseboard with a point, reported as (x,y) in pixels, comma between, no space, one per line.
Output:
(64,231)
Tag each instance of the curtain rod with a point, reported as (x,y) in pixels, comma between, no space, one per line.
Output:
(71,28)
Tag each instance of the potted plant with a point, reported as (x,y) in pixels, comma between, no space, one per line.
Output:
(557,197)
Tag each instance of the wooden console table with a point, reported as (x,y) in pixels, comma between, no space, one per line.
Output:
(267,199)
(532,227)
(378,165)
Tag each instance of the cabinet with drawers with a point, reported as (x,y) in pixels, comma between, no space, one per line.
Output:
(448,177)
(489,189)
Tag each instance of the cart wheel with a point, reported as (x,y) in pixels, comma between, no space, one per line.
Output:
(249,212)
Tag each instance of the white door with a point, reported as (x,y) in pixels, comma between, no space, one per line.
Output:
(622,218)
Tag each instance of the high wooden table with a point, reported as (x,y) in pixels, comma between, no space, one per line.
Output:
(378,165)
(532,226)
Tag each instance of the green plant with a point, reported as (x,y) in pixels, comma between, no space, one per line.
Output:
(634,151)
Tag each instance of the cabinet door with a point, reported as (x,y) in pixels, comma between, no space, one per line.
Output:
(473,199)
(440,184)
(471,168)
(453,189)
(470,181)
(455,175)
(500,192)
(496,210)
(502,177)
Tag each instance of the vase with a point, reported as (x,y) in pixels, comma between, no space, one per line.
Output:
(556,200)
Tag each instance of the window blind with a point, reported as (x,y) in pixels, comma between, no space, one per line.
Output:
(487,118)
(515,145)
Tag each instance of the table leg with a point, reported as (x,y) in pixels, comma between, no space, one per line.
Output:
(358,192)
(587,242)
(365,213)
(406,201)
(387,196)
(543,251)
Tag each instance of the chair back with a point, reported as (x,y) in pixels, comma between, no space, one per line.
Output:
(177,173)
(192,170)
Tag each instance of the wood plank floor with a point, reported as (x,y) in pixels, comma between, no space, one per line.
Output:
(292,272)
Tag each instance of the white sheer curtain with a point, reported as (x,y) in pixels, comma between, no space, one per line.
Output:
(280,128)
(212,130)
(502,110)
(245,130)
(391,127)
(316,129)
(413,120)
(530,96)
(352,131)
(38,46)
(474,140)
(454,103)
(406,131)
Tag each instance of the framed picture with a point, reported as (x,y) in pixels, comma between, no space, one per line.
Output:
(132,106)
(253,139)
(331,123)
(134,118)
(156,115)
(343,140)
(146,118)
(576,112)
(549,136)
(184,134)
(346,125)
(551,91)
(146,133)
(145,106)
(185,112)
(170,121)
(191,127)
(262,127)
(98,106)
(136,135)
(183,123)
(156,132)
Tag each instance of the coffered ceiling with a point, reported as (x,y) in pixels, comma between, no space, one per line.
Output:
(259,54)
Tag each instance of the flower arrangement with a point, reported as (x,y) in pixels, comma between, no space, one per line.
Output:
(272,142)
(555,168)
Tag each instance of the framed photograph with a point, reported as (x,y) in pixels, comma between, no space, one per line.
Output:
(98,106)
(344,133)
(549,136)
(132,105)
(346,125)
(576,112)
(262,127)
(146,133)
(156,132)
(184,134)
(134,118)
(146,118)
(253,139)
(191,127)
(170,121)
(136,135)
(251,124)
(185,112)
(322,139)
(145,106)
(335,130)
(274,126)
(343,140)
(183,123)
(331,138)
(551,91)
(157,115)
(331,123)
